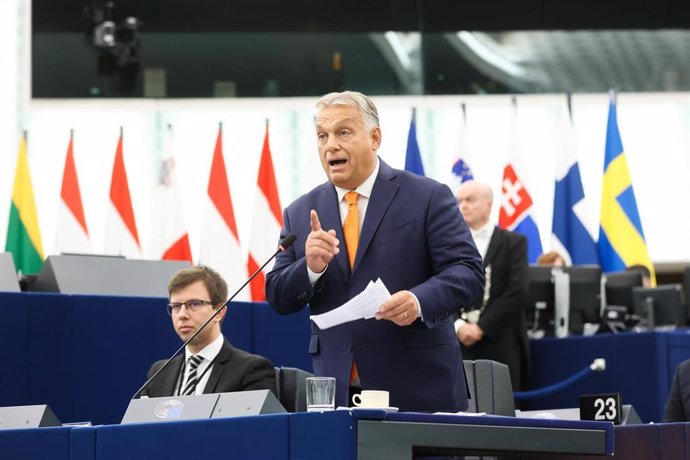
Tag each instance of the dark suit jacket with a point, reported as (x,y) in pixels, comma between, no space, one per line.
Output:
(503,322)
(414,238)
(678,402)
(233,370)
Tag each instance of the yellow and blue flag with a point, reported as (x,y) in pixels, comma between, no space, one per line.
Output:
(621,239)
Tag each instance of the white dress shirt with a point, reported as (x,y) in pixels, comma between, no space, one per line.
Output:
(209,353)
(482,237)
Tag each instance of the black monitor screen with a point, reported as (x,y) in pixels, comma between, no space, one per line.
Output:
(660,306)
(540,299)
(585,296)
(619,288)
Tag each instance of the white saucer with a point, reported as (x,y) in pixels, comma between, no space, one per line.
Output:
(385,409)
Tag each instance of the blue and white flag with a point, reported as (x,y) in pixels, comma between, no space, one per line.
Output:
(572,237)
(413,157)
(461,167)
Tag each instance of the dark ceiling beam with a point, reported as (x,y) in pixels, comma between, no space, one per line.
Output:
(371,15)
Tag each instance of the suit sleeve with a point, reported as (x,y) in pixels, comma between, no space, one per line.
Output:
(508,306)
(674,411)
(288,289)
(458,277)
(259,375)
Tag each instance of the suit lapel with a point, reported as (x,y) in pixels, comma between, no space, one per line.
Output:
(382,195)
(173,375)
(328,209)
(218,368)
(494,244)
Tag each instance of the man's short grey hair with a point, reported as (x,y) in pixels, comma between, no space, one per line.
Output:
(353,99)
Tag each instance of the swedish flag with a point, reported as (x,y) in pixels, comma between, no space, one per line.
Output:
(621,239)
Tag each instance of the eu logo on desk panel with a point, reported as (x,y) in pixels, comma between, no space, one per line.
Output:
(602,407)
(171,408)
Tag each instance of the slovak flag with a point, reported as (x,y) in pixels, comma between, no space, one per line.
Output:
(72,233)
(170,239)
(266,223)
(220,241)
(121,236)
(516,203)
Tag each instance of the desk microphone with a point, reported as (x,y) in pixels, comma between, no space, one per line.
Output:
(286,243)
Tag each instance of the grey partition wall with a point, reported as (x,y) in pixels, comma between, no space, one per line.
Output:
(105,275)
(8,274)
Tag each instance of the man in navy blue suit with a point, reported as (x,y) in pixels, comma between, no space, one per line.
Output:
(411,236)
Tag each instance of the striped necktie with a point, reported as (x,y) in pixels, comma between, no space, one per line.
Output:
(192,380)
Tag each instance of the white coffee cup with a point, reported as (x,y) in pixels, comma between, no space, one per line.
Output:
(371,398)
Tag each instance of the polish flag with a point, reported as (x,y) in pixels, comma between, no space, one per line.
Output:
(220,242)
(266,223)
(170,240)
(121,236)
(72,234)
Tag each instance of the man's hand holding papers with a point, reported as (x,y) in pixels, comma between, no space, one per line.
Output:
(364,305)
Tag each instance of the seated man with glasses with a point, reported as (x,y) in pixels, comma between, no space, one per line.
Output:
(210,364)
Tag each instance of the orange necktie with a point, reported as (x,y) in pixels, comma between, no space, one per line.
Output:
(351,233)
(351,226)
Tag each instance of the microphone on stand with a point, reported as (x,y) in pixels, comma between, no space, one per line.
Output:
(282,246)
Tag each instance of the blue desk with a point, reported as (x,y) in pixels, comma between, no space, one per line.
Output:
(85,356)
(639,366)
(337,435)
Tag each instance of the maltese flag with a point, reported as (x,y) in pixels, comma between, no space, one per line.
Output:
(266,223)
(516,202)
(220,242)
(72,234)
(170,240)
(121,236)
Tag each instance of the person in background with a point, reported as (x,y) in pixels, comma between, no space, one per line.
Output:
(494,328)
(644,272)
(678,402)
(370,221)
(210,364)
(551,258)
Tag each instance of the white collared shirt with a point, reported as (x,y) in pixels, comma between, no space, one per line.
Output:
(482,237)
(364,191)
(209,353)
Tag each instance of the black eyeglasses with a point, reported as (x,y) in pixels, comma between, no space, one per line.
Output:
(191,305)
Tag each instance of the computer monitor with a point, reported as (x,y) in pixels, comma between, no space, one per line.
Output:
(619,287)
(540,301)
(660,306)
(585,296)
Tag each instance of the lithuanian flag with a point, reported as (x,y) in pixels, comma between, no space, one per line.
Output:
(23,235)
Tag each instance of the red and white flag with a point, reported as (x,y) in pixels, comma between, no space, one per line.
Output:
(266,223)
(220,242)
(72,234)
(170,239)
(121,236)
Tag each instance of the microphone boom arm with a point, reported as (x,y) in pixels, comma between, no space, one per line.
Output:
(284,244)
